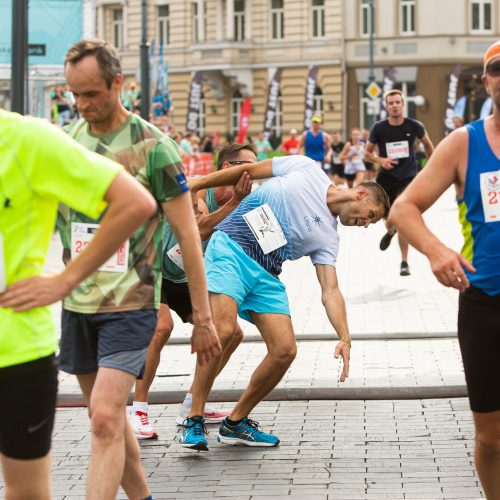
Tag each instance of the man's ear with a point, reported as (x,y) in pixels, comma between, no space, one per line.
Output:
(361,193)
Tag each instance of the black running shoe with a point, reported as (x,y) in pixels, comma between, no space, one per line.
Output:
(405,269)
(386,241)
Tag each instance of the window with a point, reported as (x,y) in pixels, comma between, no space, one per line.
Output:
(277,19)
(407,17)
(365,18)
(318,102)
(277,127)
(236,102)
(164,24)
(117,28)
(318,18)
(239,20)
(481,15)
(197,36)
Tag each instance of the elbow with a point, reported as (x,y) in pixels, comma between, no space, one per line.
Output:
(205,233)
(394,216)
(143,207)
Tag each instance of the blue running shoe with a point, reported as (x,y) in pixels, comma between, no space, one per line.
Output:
(247,433)
(193,435)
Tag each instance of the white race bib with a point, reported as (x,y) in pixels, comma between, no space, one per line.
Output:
(266,228)
(396,150)
(175,255)
(490,195)
(2,266)
(81,235)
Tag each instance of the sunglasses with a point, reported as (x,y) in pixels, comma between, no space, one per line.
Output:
(493,69)
(239,162)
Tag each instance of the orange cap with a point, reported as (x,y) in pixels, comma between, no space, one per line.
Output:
(491,54)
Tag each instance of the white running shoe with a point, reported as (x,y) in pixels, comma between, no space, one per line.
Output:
(211,415)
(141,425)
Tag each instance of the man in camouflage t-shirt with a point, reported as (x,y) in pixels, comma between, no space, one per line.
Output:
(109,319)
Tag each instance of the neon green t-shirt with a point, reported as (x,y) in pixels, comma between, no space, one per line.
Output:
(40,166)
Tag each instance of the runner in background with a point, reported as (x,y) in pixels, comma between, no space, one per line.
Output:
(292,145)
(315,143)
(371,170)
(337,174)
(352,154)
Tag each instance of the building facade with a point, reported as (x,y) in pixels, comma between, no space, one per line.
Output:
(424,41)
(238,45)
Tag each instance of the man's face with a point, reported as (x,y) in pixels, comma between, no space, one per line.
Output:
(395,106)
(95,101)
(362,211)
(491,81)
(224,193)
(315,126)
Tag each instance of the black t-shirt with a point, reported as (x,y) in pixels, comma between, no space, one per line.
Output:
(396,141)
(337,149)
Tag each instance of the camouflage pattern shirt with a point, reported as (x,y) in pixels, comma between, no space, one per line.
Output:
(153,159)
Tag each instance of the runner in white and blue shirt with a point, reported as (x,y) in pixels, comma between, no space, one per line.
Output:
(291,215)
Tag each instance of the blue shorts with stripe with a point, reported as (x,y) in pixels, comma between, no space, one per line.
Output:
(231,272)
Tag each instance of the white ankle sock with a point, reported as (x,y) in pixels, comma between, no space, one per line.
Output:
(188,401)
(141,406)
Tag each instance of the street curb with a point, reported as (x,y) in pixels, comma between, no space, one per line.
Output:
(315,337)
(301,394)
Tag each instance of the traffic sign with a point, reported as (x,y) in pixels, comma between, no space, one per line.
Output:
(373,90)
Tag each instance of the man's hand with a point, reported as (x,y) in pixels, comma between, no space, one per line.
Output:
(205,342)
(243,187)
(343,349)
(448,267)
(36,291)
(387,163)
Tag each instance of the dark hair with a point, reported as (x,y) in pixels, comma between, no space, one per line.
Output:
(105,54)
(377,194)
(230,152)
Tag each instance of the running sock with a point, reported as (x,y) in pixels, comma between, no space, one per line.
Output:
(150,497)
(141,406)
(188,401)
(233,423)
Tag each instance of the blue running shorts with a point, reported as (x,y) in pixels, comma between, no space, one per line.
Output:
(231,272)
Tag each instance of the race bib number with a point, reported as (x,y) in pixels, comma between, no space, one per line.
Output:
(490,195)
(266,228)
(397,150)
(2,266)
(175,255)
(82,234)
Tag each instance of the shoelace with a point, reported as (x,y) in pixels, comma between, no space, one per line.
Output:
(253,423)
(198,428)
(143,417)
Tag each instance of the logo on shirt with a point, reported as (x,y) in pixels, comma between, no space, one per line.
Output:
(314,221)
(493,183)
(317,219)
(181,182)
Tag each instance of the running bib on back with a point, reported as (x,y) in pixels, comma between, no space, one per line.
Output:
(2,266)
(175,255)
(266,228)
(490,195)
(81,235)
(396,150)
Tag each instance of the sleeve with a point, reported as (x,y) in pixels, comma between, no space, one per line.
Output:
(284,165)
(165,171)
(420,129)
(63,169)
(374,135)
(328,254)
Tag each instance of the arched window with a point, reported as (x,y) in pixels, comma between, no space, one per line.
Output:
(236,102)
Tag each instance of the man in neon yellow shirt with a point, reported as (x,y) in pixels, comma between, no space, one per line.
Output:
(36,173)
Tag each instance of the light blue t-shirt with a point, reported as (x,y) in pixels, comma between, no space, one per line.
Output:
(297,196)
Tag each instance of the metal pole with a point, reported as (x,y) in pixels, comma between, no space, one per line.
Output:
(371,71)
(19,54)
(145,97)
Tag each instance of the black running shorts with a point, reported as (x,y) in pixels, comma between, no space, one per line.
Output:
(479,337)
(393,186)
(177,298)
(29,390)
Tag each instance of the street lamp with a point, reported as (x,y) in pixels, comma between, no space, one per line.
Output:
(371,69)
(145,98)
(19,54)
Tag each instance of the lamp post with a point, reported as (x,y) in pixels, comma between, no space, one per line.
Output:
(145,97)
(19,54)
(371,67)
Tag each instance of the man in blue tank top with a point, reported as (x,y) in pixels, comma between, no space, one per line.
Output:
(316,144)
(469,158)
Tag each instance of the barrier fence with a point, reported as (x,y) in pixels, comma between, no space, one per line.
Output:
(200,164)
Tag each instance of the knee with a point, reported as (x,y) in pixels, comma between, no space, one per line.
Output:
(285,354)
(107,425)
(237,336)
(488,440)
(161,336)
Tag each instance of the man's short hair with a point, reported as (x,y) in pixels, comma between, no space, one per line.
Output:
(378,195)
(230,152)
(394,92)
(105,54)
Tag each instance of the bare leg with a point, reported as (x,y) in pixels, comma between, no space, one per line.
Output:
(403,245)
(27,479)
(162,333)
(107,393)
(224,313)
(360,177)
(487,452)
(277,332)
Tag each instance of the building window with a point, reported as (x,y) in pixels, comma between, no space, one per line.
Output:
(277,19)
(481,16)
(407,17)
(318,18)
(239,20)
(197,36)
(318,101)
(236,102)
(277,127)
(117,28)
(365,18)
(164,24)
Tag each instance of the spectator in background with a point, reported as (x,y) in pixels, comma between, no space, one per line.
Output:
(186,145)
(292,145)
(131,97)
(208,145)
(337,172)
(458,121)
(263,147)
